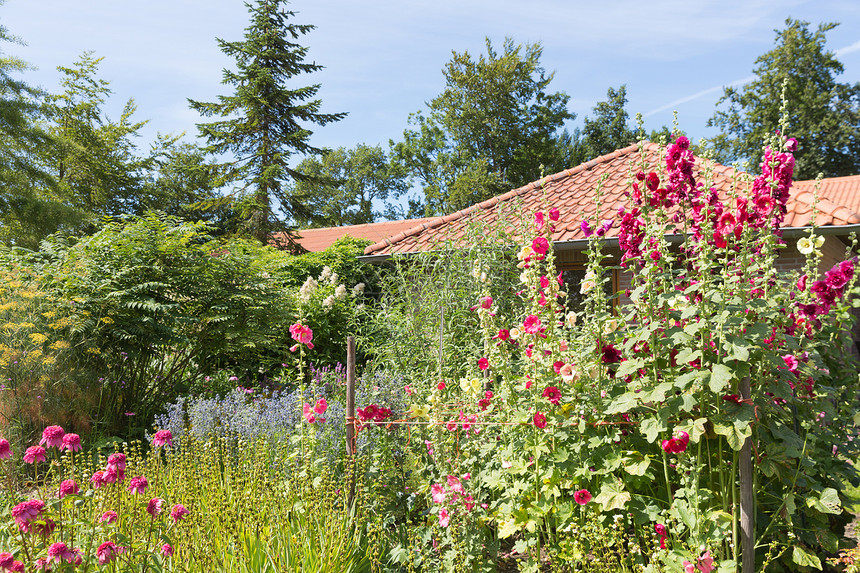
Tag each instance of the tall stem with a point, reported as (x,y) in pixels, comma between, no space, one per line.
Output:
(747,502)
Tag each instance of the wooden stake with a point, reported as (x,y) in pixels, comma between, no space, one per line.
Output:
(747,502)
(350,413)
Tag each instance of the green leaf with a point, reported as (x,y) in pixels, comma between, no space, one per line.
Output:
(637,468)
(612,495)
(804,558)
(735,436)
(651,428)
(629,367)
(508,528)
(694,428)
(720,378)
(623,403)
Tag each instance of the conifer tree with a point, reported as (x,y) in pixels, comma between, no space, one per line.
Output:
(264,121)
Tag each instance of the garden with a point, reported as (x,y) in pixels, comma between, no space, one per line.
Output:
(173,401)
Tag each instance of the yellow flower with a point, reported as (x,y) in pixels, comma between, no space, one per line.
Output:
(38,338)
(48,360)
(27,325)
(49,314)
(60,345)
(93,351)
(805,245)
(107,320)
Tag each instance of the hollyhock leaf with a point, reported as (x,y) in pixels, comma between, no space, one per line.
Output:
(683,381)
(623,403)
(629,367)
(720,378)
(637,468)
(612,495)
(804,558)
(651,428)
(829,500)
(737,350)
(658,394)
(828,540)
(508,528)
(694,428)
(733,438)
(687,355)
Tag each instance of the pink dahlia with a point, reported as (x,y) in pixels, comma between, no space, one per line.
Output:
(108,517)
(178,512)
(137,485)
(155,506)
(52,437)
(5,449)
(71,442)
(34,454)
(162,438)
(68,487)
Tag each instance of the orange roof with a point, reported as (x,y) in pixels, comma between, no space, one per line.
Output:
(837,196)
(573,192)
(315,240)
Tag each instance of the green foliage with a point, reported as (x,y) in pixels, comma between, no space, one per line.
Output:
(823,112)
(609,129)
(340,187)
(493,127)
(264,121)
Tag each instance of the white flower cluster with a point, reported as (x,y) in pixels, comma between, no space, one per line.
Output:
(308,289)
(805,245)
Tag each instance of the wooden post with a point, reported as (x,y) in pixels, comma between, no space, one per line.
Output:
(350,415)
(745,478)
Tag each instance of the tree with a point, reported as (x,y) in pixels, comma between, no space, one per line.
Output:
(340,186)
(822,114)
(263,120)
(493,127)
(609,130)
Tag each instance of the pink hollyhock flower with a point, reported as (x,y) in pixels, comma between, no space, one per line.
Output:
(451,426)
(107,551)
(162,438)
(552,394)
(539,222)
(677,444)
(137,485)
(6,560)
(705,563)
(791,362)
(59,552)
(109,516)
(532,324)
(52,437)
(68,487)
(486,302)
(540,420)
(5,449)
(688,567)
(440,386)
(801,283)
(71,442)
(320,407)
(582,496)
(503,334)
(303,334)
(167,550)
(483,363)
(455,484)
(34,454)
(437,493)
(661,530)
(307,412)
(116,462)
(586,229)
(178,512)
(791,145)
(554,214)
(444,518)
(540,246)
(155,506)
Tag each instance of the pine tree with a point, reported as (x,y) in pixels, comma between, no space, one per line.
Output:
(264,121)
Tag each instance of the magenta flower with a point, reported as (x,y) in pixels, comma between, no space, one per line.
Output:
(178,512)
(162,438)
(107,551)
(138,485)
(444,518)
(483,363)
(676,444)
(52,437)
(554,214)
(540,246)
(68,487)
(532,324)
(167,550)
(116,462)
(610,354)
(437,493)
(27,511)
(5,449)
(303,334)
(108,517)
(582,496)
(98,479)
(791,145)
(540,420)
(18,567)
(113,475)
(155,506)
(552,394)
(59,552)
(320,407)
(71,442)
(6,560)
(34,454)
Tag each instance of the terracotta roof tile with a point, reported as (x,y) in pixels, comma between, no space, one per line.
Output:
(573,192)
(320,239)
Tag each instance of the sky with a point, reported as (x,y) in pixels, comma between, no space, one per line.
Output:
(383,59)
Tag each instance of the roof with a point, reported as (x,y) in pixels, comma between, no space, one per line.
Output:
(573,192)
(315,240)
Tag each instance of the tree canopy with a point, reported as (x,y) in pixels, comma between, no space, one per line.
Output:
(823,114)
(264,122)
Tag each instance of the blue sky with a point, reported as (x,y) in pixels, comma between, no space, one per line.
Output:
(383,58)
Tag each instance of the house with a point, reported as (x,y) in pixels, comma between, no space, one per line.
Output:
(573,192)
(315,240)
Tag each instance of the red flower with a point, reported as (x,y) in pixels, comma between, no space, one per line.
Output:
(483,363)
(532,324)
(582,496)
(540,246)
(552,394)
(554,214)
(610,354)
(677,444)
(540,420)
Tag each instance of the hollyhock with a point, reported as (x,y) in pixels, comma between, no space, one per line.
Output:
(554,214)
(705,563)
(321,406)
(5,449)
(437,493)
(586,229)
(610,354)
(503,334)
(155,507)
(444,518)
(72,443)
(532,324)
(34,454)
(483,363)
(162,438)
(108,517)
(440,386)
(59,552)
(791,145)
(663,533)
(167,550)
(307,412)
(676,444)
(567,372)
(178,512)
(107,551)
(68,487)
(552,394)
(539,420)
(539,222)
(688,567)
(540,246)
(801,283)
(52,437)
(303,334)
(582,497)
(138,485)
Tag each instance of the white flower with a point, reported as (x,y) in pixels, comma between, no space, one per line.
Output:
(570,319)
(524,277)
(525,253)
(568,373)
(326,273)
(483,277)
(332,279)
(358,289)
(819,241)
(805,245)
(586,286)
(610,326)
(307,289)
(515,333)
(340,291)
(329,301)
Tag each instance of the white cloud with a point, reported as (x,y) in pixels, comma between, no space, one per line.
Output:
(847,49)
